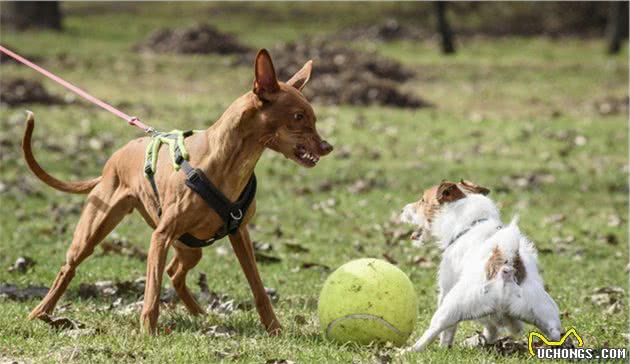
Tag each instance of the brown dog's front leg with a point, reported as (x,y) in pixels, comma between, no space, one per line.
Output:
(244,251)
(156,261)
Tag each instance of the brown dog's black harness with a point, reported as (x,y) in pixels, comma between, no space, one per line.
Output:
(232,213)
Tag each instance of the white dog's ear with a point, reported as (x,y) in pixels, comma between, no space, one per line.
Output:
(449,192)
(473,187)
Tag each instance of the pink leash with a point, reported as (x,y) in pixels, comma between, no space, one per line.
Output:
(132,120)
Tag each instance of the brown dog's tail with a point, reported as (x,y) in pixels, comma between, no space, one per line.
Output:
(71,187)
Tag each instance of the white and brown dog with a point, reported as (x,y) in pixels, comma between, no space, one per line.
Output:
(488,271)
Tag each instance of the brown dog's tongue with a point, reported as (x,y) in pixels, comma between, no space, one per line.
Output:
(416,234)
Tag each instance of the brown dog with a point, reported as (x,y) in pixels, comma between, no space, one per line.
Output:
(273,115)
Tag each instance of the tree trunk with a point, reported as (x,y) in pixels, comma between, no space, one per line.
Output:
(448,47)
(21,15)
(617,25)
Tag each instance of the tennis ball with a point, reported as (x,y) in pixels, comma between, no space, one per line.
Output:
(368,300)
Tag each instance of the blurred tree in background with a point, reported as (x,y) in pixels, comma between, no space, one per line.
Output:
(617,25)
(444,28)
(22,15)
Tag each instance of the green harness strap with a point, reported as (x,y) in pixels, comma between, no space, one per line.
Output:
(177,148)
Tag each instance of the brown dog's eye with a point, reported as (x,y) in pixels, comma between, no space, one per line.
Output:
(298,116)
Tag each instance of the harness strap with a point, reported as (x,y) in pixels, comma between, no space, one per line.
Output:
(231,213)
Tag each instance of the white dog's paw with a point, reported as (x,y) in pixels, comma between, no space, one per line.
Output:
(405,351)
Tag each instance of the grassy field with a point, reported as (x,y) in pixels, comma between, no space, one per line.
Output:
(519,115)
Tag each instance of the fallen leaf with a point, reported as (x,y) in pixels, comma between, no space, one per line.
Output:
(262,247)
(327,206)
(277,232)
(131,308)
(121,246)
(396,234)
(383,358)
(325,186)
(22,264)
(273,294)
(266,258)
(309,265)
(343,152)
(61,323)
(390,259)
(221,251)
(614,220)
(218,331)
(218,303)
(75,333)
(554,219)
(202,281)
(4,360)
(580,140)
(422,262)
(614,308)
(300,320)
(610,297)
(296,248)
(362,186)
(505,346)
(528,181)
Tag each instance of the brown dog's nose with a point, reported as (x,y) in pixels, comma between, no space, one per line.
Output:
(325,147)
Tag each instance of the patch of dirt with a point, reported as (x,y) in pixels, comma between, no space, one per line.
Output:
(343,75)
(133,289)
(198,39)
(21,91)
(389,30)
(612,105)
(10,291)
(6,59)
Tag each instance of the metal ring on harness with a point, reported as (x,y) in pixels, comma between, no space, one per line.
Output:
(240,216)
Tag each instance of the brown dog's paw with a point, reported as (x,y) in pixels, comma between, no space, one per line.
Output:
(38,313)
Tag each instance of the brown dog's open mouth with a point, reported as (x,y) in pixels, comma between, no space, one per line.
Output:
(306,158)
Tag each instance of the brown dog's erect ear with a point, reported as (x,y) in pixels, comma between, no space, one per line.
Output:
(474,188)
(449,192)
(265,81)
(301,77)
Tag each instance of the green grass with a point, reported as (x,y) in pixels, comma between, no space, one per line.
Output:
(504,107)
